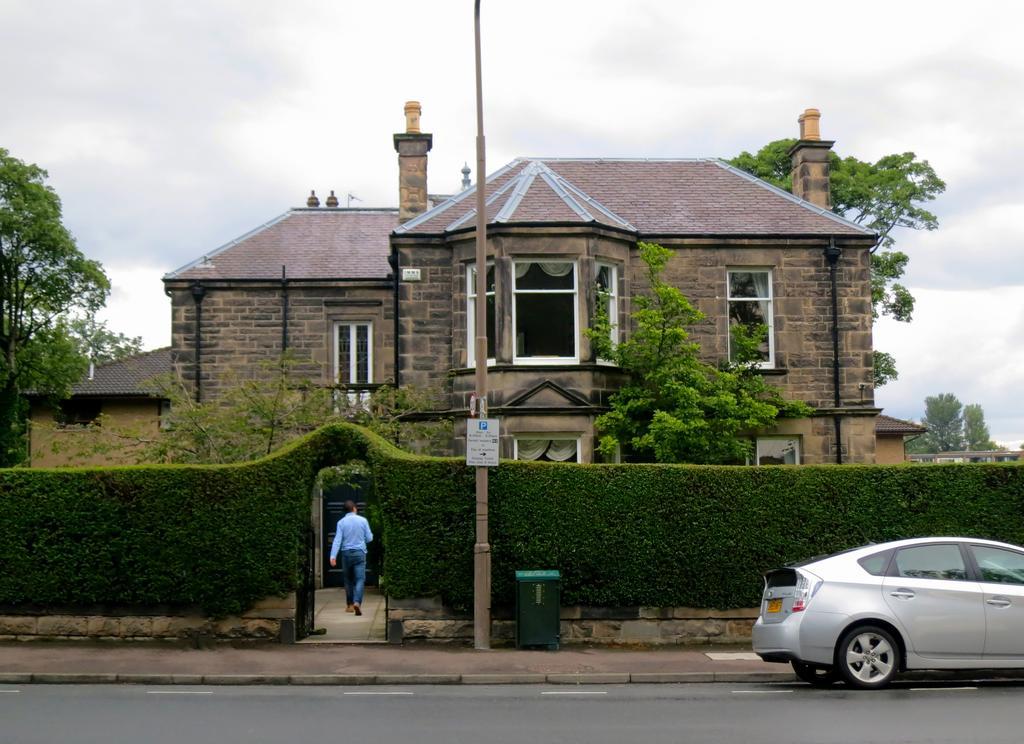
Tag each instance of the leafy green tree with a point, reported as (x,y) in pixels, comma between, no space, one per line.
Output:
(44,279)
(255,416)
(882,196)
(674,407)
(976,433)
(100,345)
(943,415)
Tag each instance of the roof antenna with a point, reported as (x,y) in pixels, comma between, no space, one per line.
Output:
(351,198)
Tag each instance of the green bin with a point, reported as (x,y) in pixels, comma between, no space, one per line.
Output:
(538,601)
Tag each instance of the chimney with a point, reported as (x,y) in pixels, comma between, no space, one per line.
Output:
(332,200)
(412,147)
(313,200)
(810,161)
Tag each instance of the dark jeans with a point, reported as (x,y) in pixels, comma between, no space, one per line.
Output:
(353,568)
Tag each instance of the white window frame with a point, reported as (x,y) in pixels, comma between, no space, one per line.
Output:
(613,300)
(471,314)
(575,358)
(352,359)
(554,437)
(757,449)
(769,321)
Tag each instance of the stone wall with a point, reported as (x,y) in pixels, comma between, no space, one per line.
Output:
(241,328)
(270,619)
(427,620)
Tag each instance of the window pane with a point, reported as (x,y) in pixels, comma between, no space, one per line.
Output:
(778,451)
(547,450)
(547,275)
(545,325)
(604,278)
(471,289)
(748,284)
(344,354)
(362,354)
(471,324)
(750,316)
(931,562)
(999,566)
(877,563)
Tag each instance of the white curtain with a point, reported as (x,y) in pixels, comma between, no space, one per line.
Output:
(561,450)
(531,449)
(561,268)
(761,280)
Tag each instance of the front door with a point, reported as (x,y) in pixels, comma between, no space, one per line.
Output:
(334,499)
(941,609)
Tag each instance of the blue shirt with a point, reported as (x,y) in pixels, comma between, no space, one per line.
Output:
(352,533)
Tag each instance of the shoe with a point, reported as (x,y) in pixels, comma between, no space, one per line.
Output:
(349,608)
(357,610)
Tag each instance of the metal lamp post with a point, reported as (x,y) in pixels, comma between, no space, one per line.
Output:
(482,548)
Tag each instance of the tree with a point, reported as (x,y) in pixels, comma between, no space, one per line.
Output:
(100,345)
(43,279)
(943,415)
(976,434)
(255,416)
(674,407)
(882,196)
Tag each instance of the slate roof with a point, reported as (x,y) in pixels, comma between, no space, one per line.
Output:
(890,425)
(672,197)
(127,377)
(317,243)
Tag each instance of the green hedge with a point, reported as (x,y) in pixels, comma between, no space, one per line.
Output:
(220,537)
(664,535)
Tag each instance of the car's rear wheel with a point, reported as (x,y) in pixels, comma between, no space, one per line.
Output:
(868,657)
(815,675)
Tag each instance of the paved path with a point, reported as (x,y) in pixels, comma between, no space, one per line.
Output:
(159,663)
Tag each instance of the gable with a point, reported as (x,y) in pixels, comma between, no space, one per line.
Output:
(548,394)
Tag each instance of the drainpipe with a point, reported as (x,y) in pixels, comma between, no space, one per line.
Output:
(198,293)
(393,261)
(284,311)
(832,254)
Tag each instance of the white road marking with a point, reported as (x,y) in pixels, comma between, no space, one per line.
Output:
(377,693)
(11,691)
(760,692)
(575,692)
(179,692)
(721,656)
(940,689)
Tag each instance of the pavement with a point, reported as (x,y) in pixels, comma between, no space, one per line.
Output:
(85,662)
(351,650)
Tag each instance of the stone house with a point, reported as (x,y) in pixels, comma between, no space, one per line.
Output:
(387,296)
(122,397)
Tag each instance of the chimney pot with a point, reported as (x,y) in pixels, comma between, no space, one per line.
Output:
(809,124)
(332,200)
(312,201)
(412,117)
(810,157)
(412,146)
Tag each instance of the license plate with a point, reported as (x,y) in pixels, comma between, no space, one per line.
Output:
(774,605)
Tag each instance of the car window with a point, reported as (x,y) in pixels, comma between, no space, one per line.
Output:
(999,566)
(877,563)
(931,562)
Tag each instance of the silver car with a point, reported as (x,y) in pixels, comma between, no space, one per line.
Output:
(866,614)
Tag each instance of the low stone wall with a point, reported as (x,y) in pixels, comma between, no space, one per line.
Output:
(269,619)
(429,620)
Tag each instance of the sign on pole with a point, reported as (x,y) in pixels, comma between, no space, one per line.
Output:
(482,442)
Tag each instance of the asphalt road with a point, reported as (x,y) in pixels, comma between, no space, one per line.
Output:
(724,713)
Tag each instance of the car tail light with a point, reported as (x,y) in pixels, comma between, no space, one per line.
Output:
(806,588)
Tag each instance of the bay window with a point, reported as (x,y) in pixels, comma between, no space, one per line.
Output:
(544,311)
(471,314)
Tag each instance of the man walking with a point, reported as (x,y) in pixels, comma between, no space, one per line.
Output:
(351,536)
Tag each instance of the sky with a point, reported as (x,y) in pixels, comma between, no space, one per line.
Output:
(169,129)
